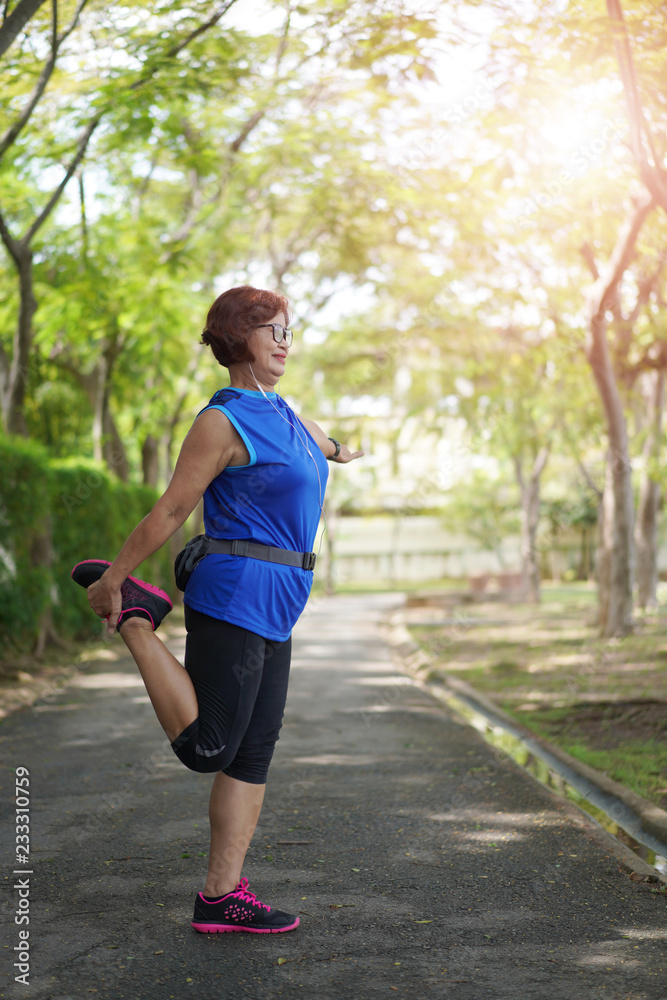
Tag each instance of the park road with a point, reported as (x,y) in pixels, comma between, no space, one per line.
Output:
(422,864)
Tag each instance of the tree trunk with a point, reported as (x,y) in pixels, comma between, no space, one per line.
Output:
(93,384)
(646,528)
(41,560)
(615,559)
(113,448)
(149,461)
(530,516)
(616,556)
(16,378)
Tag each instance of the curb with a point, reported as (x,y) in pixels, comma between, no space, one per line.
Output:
(607,802)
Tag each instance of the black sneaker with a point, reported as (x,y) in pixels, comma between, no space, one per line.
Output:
(240,910)
(140,599)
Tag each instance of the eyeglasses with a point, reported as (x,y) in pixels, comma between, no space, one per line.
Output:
(280,333)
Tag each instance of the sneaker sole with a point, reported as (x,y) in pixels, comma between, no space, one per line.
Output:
(141,583)
(225,928)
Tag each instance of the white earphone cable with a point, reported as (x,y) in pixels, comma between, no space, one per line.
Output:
(305,444)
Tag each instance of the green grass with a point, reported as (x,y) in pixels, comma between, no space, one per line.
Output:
(546,666)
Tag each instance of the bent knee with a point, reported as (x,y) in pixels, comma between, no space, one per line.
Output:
(197,757)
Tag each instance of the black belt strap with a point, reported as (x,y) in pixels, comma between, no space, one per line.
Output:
(243,547)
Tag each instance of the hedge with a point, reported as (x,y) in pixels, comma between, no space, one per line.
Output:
(24,514)
(54,513)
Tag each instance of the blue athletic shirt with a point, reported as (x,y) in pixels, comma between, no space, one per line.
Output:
(274,500)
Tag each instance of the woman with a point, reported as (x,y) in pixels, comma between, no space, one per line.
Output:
(262,471)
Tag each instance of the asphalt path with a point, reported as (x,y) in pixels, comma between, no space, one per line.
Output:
(422,863)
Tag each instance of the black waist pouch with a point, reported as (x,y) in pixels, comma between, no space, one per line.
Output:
(187,559)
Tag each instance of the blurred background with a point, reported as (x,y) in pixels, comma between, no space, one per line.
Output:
(466,205)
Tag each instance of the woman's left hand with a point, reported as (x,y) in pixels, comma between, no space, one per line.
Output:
(345,455)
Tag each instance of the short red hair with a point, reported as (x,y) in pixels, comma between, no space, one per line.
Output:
(232,318)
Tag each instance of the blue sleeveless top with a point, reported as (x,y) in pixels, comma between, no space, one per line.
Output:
(274,500)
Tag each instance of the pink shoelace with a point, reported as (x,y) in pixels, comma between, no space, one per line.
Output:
(243,892)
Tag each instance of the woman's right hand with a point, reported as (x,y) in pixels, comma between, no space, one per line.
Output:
(211,443)
(105,599)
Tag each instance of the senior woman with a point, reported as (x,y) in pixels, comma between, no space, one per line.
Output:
(262,470)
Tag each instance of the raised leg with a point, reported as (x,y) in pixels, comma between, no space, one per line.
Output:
(167,681)
(234,809)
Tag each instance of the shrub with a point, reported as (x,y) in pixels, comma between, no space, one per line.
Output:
(24,533)
(92,515)
(53,513)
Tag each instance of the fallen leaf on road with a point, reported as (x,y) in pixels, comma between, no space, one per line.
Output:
(281,961)
(422,921)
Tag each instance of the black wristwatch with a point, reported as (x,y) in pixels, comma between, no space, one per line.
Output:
(337,451)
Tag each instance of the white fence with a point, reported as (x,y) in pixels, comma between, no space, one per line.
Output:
(387,549)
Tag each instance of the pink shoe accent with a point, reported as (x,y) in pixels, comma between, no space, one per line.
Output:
(125,611)
(224,928)
(153,590)
(243,892)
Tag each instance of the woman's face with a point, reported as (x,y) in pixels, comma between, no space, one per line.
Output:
(270,357)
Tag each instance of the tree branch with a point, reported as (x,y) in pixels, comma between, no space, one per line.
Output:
(539,463)
(644,293)
(14,130)
(82,146)
(604,288)
(176,49)
(13,25)
(586,251)
(650,360)
(652,173)
(87,133)
(10,243)
(589,482)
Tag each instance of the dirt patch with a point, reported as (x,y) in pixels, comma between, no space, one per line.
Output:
(607,725)
(602,701)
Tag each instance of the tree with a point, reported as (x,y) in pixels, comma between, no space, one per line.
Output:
(554,55)
(13,23)
(14,369)
(192,149)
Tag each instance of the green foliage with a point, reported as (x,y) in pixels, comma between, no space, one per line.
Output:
(92,515)
(24,517)
(484,507)
(53,514)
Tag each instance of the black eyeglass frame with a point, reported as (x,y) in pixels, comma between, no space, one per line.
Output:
(287,334)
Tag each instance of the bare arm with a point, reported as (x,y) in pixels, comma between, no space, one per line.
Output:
(211,444)
(327,447)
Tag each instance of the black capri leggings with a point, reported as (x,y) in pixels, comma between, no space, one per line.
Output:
(241,683)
